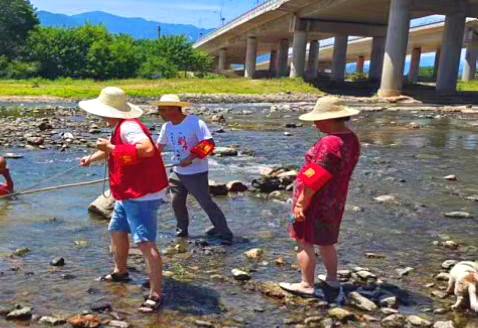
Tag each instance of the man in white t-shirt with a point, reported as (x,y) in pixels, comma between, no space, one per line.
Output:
(185,134)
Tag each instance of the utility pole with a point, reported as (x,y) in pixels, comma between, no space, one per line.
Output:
(159,31)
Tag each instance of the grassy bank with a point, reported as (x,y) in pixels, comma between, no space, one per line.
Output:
(468,86)
(69,88)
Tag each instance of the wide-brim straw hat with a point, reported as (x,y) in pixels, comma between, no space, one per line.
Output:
(112,103)
(171,100)
(327,108)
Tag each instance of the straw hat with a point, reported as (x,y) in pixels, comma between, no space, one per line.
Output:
(171,100)
(328,108)
(112,103)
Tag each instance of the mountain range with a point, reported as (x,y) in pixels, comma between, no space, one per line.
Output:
(138,28)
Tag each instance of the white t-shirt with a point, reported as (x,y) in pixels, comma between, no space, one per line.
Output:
(131,133)
(181,138)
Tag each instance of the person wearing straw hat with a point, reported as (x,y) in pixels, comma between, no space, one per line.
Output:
(191,143)
(138,182)
(320,193)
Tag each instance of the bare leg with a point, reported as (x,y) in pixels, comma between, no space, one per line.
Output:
(329,257)
(473,297)
(307,262)
(459,302)
(154,265)
(120,246)
(451,286)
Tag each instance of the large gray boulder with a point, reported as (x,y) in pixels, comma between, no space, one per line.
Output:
(103,206)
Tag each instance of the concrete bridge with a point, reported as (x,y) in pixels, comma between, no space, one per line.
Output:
(275,26)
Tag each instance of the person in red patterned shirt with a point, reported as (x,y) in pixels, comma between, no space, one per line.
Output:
(320,193)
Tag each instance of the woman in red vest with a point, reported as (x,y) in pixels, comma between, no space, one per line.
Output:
(138,183)
(7,187)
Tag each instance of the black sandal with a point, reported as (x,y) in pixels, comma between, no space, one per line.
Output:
(150,305)
(115,277)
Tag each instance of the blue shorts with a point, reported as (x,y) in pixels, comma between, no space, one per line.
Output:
(136,217)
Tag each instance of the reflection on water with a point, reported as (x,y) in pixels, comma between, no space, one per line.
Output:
(398,160)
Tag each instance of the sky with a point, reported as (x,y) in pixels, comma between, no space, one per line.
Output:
(202,13)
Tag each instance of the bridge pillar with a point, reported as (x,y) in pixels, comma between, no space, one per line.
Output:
(299,46)
(273,63)
(360,63)
(414,65)
(469,70)
(451,53)
(376,58)
(251,57)
(436,64)
(313,63)
(339,59)
(395,48)
(283,58)
(221,64)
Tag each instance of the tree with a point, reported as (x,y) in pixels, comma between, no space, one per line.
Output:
(17,19)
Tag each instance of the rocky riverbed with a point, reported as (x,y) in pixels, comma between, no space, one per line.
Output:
(411,215)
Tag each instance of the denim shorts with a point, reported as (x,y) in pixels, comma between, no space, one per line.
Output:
(136,217)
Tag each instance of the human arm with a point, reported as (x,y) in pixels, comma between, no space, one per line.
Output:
(144,148)
(8,179)
(95,157)
(203,148)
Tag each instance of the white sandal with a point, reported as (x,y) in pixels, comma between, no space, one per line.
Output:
(298,289)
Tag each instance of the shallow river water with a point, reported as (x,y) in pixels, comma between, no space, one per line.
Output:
(396,160)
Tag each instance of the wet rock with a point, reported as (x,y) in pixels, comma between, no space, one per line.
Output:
(84,321)
(254,253)
(312,320)
(327,323)
(35,141)
(442,276)
(203,323)
(365,275)
(5,309)
(103,206)
(450,244)
(279,261)
(287,134)
(267,184)
(417,321)
(236,186)
(386,199)
(450,177)
(57,261)
(389,302)
(52,321)
(81,243)
(388,311)
(458,215)
(225,151)
(21,252)
(218,118)
(414,125)
(20,313)
(440,311)
(404,271)
(361,302)
(341,314)
(240,275)
(118,324)
(473,198)
(101,307)
(217,189)
(444,324)
(67,276)
(369,318)
(394,320)
(12,156)
(344,274)
(374,255)
(448,264)
(43,126)
(439,293)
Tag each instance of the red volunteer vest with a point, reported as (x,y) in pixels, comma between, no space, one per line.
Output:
(144,176)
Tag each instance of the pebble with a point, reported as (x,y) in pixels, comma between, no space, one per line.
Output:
(12,155)
(21,313)
(21,252)
(388,311)
(236,186)
(287,134)
(438,293)
(365,275)
(440,311)
(394,320)
(404,271)
(361,302)
(473,197)
(312,320)
(386,199)
(448,264)
(369,318)
(240,275)
(254,253)
(57,261)
(52,321)
(417,321)
(202,323)
(118,324)
(341,314)
(458,215)
(225,151)
(217,189)
(442,276)
(101,307)
(450,177)
(86,320)
(450,244)
(374,256)
(444,324)
(390,302)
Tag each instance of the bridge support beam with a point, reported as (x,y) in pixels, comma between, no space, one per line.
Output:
(436,64)
(395,48)
(469,70)
(414,65)
(283,58)
(360,63)
(376,58)
(299,46)
(313,63)
(339,58)
(273,63)
(221,64)
(451,52)
(251,57)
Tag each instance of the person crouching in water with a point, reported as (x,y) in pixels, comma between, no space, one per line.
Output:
(320,193)
(138,182)
(7,187)
(191,143)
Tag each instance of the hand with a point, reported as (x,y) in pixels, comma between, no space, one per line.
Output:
(85,161)
(186,162)
(104,145)
(299,212)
